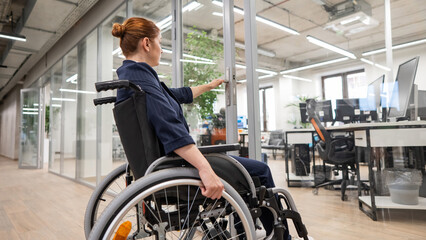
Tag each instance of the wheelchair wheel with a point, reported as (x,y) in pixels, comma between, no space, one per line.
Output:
(103,194)
(168,205)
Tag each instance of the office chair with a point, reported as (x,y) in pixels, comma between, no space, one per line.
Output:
(276,142)
(336,150)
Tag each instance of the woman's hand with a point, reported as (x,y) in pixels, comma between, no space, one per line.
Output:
(215,83)
(213,187)
(198,90)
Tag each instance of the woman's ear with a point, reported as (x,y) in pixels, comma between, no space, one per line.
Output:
(145,44)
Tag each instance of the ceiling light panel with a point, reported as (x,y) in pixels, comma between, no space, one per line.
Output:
(328,46)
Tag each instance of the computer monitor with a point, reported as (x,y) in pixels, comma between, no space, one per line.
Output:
(422,104)
(303,113)
(372,102)
(323,109)
(347,110)
(403,88)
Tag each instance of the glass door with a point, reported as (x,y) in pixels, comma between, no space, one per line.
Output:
(29,151)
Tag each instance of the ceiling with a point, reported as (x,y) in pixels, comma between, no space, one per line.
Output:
(43,27)
(42,22)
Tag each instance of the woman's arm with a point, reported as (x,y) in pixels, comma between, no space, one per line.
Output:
(213,187)
(198,90)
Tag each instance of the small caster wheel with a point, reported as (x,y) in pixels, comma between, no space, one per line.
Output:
(345,197)
(315,191)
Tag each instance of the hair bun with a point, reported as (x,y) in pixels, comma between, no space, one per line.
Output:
(117,30)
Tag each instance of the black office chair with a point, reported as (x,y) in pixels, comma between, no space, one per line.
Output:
(336,150)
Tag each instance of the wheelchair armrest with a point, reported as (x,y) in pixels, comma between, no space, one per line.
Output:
(219,148)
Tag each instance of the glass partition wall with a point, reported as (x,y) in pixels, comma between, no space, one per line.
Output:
(291,63)
(203,61)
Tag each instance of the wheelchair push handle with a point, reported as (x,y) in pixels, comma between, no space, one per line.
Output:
(116,84)
(104,100)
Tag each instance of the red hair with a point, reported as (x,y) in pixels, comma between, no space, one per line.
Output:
(132,30)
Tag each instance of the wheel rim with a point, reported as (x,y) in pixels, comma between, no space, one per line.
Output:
(208,224)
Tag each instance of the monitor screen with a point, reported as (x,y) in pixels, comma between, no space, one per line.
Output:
(323,109)
(374,91)
(403,88)
(347,110)
(422,104)
(303,113)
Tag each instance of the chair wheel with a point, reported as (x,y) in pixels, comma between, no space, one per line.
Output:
(345,197)
(315,191)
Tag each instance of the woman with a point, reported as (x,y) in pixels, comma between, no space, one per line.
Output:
(140,41)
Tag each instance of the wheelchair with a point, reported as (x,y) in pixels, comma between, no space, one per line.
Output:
(162,197)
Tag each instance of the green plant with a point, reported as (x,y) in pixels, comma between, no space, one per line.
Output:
(197,43)
(47,120)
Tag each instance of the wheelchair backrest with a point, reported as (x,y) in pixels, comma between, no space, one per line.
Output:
(136,133)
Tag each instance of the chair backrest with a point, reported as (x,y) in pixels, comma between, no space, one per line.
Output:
(325,139)
(140,143)
(276,138)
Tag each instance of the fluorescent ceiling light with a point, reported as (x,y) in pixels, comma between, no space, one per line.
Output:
(197,58)
(117,50)
(399,46)
(76,91)
(217,14)
(266,71)
(13,36)
(349,20)
(56,105)
(261,77)
(239,11)
(195,61)
(267,76)
(72,79)
(194,5)
(240,66)
(162,76)
(260,19)
(276,25)
(297,78)
(314,65)
(165,50)
(167,21)
(328,46)
(30,113)
(375,64)
(64,99)
(367,61)
(165,63)
(258,70)
(114,70)
(259,50)
(30,109)
(218,90)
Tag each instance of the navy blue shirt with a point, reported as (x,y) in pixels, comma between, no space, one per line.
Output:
(163,104)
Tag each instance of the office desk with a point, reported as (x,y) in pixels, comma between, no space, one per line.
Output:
(298,136)
(387,134)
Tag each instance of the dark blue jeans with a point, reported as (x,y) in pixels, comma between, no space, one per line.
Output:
(262,171)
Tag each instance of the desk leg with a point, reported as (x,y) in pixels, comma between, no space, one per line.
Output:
(313,156)
(358,174)
(370,162)
(286,160)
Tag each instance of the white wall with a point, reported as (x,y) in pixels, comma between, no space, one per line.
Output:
(9,125)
